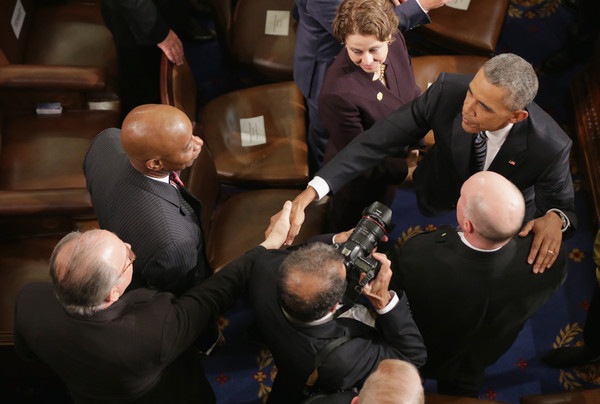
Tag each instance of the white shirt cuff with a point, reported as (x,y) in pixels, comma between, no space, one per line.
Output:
(321,186)
(391,304)
(421,6)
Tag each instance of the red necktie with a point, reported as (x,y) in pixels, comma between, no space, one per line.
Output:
(175,180)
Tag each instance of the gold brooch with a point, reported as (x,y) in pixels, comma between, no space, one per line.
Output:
(379,96)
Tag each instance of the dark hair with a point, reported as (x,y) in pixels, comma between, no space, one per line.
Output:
(365,17)
(320,261)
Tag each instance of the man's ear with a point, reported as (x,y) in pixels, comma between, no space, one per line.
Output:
(154,164)
(519,115)
(466,226)
(113,295)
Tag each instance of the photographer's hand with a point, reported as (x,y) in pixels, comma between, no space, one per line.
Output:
(377,291)
(279,228)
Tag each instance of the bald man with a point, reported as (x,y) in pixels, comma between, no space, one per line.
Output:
(127,173)
(114,347)
(471,290)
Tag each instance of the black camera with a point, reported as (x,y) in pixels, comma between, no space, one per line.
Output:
(375,223)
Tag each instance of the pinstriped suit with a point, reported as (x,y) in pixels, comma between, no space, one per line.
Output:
(163,232)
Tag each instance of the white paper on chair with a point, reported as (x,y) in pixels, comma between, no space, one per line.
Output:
(253,131)
(18,18)
(459,4)
(277,23)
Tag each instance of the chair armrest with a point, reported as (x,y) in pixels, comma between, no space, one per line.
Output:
(46,77)
(45,201)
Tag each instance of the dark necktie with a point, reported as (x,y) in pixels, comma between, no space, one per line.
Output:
(175,180)
(479,151)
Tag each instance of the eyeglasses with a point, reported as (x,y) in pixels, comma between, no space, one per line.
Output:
(131,256)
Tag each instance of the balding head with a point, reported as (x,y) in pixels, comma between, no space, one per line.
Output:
(490,209)
(394,381)
(86,267)
(158,139)
(311,281)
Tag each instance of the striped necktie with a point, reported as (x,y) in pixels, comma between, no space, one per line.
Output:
(479,151)
(175,180)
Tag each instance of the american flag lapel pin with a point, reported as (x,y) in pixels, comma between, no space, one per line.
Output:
(511,162)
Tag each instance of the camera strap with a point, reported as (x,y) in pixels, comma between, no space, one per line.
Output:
(322,354)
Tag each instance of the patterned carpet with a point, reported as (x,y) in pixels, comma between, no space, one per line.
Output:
(242,373)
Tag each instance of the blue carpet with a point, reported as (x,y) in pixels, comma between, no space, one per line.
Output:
(242,373)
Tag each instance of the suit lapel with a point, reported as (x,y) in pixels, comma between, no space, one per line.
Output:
(511,154)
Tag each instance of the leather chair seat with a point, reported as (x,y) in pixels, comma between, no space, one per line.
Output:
(42,186)
(432,398)
(241,29)
(21,262)
(474,31)
(243,218)
(66,50)
(282,160)
(591,396)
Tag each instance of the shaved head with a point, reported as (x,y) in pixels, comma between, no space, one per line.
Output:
(158,138)
(492,205)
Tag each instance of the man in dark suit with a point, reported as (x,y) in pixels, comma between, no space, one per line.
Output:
(142,30)
(524,144)
(127,173)
(295,296)
(316,48)
(472,290)
(110,347)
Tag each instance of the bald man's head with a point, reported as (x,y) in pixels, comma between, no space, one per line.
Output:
(492,205)
(158,139)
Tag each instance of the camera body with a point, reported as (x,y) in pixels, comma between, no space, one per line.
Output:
(357,250)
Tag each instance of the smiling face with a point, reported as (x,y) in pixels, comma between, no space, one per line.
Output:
(366,51)
(484,108)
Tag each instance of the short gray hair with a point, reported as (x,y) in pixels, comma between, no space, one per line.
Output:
(82,282)
(514,74)
(316,259)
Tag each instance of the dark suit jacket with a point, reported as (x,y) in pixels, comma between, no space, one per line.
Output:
(470,305)
(149,215)
(535,155)
(137,348)
(294,348)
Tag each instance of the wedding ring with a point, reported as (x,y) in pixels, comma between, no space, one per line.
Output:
(550,252)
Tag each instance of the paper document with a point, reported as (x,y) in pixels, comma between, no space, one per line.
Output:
(253,131)
(18,18)
(459,4)
(277,23)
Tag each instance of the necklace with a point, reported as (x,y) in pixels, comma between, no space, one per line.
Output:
(382,74)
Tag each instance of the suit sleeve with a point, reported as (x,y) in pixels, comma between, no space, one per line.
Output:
(410,14)
(201,305)
(554,188)
(387,137)
(172,268)
(145,22)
